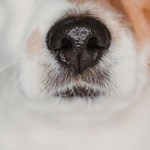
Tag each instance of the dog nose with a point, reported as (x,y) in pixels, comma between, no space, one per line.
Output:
(78,43)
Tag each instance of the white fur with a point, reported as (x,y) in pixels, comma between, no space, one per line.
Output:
(30,118)
(122,52)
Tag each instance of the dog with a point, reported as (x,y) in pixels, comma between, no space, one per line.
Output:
(75,74)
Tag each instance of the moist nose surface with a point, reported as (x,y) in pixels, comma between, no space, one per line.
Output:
(78,43)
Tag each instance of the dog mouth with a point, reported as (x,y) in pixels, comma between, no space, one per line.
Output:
(81,92)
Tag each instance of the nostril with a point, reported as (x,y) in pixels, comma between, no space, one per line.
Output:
(92,44)
(64,51)
(66,44)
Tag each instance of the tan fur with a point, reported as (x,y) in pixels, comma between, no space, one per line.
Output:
(137,12)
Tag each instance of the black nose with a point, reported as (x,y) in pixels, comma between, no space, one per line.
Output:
(78,43)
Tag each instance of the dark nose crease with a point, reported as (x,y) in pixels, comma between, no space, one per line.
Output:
(78,43)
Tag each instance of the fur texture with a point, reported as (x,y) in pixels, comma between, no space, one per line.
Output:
(32,118)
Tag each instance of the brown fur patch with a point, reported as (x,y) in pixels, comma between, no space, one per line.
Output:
(136,12)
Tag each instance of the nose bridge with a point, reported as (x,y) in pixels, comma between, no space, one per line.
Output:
(79,35)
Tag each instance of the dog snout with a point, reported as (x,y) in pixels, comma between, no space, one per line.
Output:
(78,43)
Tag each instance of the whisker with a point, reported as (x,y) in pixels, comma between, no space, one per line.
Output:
(14,96)
(5,96)
(8,66)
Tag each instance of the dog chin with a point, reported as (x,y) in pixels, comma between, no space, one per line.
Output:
(78,92)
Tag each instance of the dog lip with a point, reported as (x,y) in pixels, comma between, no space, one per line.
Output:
(82,92)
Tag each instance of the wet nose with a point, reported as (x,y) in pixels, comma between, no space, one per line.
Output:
(78,43)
